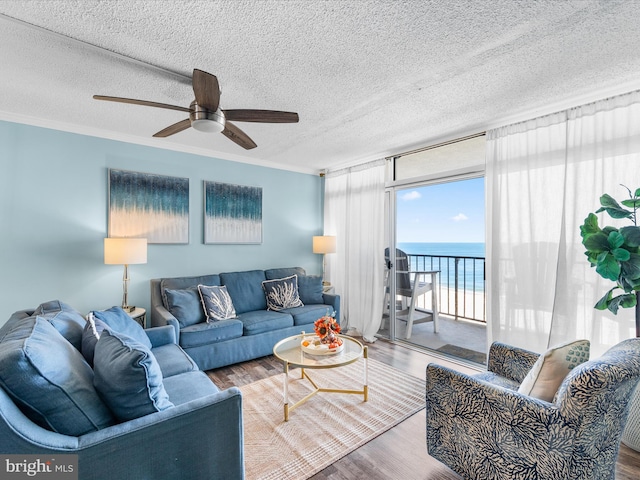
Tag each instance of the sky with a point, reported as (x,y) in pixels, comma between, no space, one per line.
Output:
(448,212)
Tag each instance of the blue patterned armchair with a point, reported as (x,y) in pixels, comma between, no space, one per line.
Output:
(483,429)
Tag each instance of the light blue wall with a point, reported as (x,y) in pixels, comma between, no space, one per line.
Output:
(53,216)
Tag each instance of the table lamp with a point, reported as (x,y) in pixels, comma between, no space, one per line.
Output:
(125,251)
(324,244)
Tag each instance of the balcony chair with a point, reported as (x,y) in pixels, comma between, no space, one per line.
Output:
(411,285)
(482,428)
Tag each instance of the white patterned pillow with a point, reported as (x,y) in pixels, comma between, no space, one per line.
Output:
(546,375)
(216,302)
(282,293)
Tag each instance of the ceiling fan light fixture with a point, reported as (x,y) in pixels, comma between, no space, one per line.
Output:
(205,120)
(207,126)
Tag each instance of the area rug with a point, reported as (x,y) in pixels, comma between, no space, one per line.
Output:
(329,425)
(464,353)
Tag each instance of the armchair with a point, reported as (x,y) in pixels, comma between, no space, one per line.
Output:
(484,430)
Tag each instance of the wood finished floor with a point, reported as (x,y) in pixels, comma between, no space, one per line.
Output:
(399,453)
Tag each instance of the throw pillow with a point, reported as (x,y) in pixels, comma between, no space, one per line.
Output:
(128,377)
(310,288)
(546,375)
(66,320)
(216,303)
(90,336)
(50,381)
(185,305)
(118,321)
(282,293)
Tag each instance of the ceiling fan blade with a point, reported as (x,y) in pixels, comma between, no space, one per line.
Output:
(262,116)
(141,102)
(234,134)
(175,128)
(207,89)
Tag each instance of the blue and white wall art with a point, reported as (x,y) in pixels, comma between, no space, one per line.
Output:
(232,213)
(155,207)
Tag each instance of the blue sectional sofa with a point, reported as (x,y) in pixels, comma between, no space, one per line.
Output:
(130,403)
(254,330)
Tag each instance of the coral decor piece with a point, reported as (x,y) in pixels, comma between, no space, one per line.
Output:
(327,330)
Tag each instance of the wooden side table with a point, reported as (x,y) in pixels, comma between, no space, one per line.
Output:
(139,314)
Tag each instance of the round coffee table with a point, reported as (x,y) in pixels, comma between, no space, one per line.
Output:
(290,352)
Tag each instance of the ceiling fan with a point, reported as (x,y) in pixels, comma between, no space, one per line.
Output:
(206,115)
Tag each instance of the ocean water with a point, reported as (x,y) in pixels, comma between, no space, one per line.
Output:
(442,256)
(444,249)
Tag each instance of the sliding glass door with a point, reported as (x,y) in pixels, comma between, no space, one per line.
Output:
(434,267)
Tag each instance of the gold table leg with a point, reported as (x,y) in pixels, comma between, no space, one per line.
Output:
(303,374)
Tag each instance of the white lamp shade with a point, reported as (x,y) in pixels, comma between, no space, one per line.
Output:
(125,251)
(324,244)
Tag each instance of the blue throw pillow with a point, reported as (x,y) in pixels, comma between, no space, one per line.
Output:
(66,320)
(216,303)
(128,377)
(118,321)
(185,305)
(90,336)
(276,273)
(282,293)
(49,380)
(310,288)
(245,288)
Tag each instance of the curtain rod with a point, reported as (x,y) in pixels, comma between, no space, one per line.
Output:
(438,145)
(352,168)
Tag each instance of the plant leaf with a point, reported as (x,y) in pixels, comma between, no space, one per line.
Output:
(632,203)
(621,255)
(592,257)
(631,236)
(597,242)
(612,207)
(604,301)
(631,268)
(637,194)
(616,240)
(627,300)
(608,267)
(590,226)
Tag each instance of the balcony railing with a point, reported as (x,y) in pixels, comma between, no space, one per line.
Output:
(461,284)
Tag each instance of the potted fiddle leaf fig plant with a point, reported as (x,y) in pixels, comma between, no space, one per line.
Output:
(615,254)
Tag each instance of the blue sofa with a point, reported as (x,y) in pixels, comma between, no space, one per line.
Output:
(254,331)
(143,411)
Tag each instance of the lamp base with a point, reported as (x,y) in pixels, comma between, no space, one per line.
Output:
(326,284)
(128,308)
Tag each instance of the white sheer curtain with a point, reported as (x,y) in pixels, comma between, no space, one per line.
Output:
(543,178)
(354,213)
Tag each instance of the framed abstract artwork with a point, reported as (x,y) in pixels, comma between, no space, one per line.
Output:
(147,205)
(232,213)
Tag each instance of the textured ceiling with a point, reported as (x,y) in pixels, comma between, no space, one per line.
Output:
(368,78)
